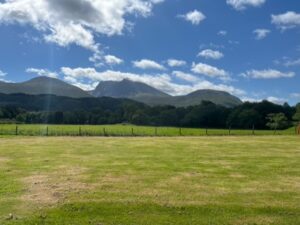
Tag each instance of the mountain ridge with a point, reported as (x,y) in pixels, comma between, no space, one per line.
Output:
(125,88)
(43,85)
(157,97)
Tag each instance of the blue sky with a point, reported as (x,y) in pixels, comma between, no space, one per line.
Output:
(250,48)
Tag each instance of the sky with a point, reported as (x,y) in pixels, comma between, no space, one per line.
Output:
(249,48)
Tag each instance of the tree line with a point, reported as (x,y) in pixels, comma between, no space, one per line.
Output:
(262,115)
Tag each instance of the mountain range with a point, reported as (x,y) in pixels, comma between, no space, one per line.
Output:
(127,89)
(43,86)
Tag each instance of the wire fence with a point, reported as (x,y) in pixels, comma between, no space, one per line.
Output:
(127,131)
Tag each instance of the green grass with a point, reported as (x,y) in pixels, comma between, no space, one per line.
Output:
(124,130)
(150,181)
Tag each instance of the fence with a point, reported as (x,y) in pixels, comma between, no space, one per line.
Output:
(118,130)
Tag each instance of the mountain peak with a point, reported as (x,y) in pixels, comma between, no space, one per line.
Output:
(43,85)
(126,89)
(43,79)
(144,93)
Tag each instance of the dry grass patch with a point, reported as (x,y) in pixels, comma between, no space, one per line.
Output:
(53,188)
(4,160)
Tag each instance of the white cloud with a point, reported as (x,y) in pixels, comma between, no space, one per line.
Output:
(185,76)
(211,54)
(113,60)
(97,58)
(2,74)
(243,4)
(286,61)
(286,20)
(209,71)
(261,33)
(148,64)
(249,99)
(162,82)
(292,62)
(267,74)
(72,34)
(66,22)
(88,86)
(273,99)
(295,95)
(222,33)
(42,72)
(276,100)
(176,63)
(195,17)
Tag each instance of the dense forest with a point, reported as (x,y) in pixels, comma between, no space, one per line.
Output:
(63,110)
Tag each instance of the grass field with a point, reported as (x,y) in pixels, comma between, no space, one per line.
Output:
(150,181)
(124,130)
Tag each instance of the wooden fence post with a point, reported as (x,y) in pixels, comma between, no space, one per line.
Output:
(229,131)
(180,133)
(155,131)
(47,131)
(17,130)
(104,131)
(79,131)
(132,133)
(206,131)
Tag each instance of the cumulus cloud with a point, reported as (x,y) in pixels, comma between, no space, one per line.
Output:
(267,74)
(148,64)
(250,99)
(185,76)
(286,20)
(211,54)
(243,4)
(2,74)
(209,71)
(176,62)
(2,77)
(42,72)
(66,22)
(84,85)
(276,100)
(113,60)
(195,17)
(162,82)
(261,33)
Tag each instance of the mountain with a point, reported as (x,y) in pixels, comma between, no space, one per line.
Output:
(52,103)
(126,89)
(43,85)
(217,97)
(118,89)
(146,94)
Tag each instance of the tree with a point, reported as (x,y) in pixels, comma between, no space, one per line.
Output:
(140,118)
(244,118)
(296,117)
(277,121)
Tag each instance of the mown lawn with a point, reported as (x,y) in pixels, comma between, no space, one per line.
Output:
(142,181)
